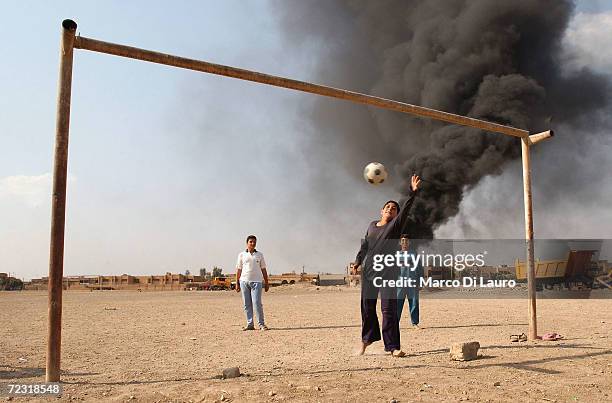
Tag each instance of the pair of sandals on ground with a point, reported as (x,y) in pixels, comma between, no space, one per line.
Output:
(546,337)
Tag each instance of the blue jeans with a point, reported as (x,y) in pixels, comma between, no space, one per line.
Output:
(251,294)
(412,293)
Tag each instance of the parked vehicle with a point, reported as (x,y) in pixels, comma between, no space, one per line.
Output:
(573,272)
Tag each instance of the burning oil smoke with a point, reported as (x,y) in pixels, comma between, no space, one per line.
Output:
(499,61)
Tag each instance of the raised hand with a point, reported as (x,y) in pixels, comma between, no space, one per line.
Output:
(415,181)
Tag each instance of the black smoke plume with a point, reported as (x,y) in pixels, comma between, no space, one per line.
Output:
(499,61)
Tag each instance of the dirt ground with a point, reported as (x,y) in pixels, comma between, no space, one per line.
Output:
(171,346)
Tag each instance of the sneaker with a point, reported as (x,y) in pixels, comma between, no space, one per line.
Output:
(248,327)
(264,327)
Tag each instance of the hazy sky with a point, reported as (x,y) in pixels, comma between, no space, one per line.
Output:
(171,170)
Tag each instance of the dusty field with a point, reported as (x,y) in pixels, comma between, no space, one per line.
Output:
(170,346)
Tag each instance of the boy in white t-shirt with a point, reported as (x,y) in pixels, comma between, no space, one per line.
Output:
(251,278)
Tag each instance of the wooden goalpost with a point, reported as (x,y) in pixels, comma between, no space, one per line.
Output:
(69,42)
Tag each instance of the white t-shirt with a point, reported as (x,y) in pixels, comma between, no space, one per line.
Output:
(251,265)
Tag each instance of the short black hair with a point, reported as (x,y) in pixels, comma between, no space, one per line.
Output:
(394,202)
(404,236)
(251,237)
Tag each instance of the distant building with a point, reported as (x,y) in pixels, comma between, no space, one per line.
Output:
(331,279)
(166,282)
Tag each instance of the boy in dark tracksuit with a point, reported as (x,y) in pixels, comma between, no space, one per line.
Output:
(381,238)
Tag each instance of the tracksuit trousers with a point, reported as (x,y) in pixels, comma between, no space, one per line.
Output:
(370,329)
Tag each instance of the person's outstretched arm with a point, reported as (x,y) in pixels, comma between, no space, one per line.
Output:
(399,222)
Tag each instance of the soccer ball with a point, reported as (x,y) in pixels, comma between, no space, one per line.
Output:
(375,173)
